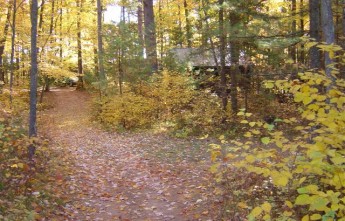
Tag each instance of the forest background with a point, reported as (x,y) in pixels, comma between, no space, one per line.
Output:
(265,76)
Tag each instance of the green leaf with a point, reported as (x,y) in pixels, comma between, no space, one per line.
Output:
(303,199)
(265,140)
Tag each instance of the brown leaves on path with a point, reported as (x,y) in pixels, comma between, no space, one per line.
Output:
(127,176)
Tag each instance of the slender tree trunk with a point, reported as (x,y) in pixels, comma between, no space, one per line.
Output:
(314,17)
(302,57)
(150,34)
(33,78)
(213,48)
(188,24)
(180,37)
(12,48)
(140,27)
(222,37)
(328,33)
(61,34)
(161,30)
(80,84)
(100,47)
(293,30)
(3,42)
(235,53)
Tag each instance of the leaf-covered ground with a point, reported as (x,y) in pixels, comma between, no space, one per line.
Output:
(123,176)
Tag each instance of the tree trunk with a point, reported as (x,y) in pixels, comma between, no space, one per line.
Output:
(301,53)
(12,49)
(150,35)
(314,17)
(293,30)
(61,34)
(235,53)
(222,37)
(33,78)
(101,72)
(328,33)
(188,25)
(140,27)
(179,35)
(3,42)
(80,84)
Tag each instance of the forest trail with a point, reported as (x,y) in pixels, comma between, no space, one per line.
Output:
(124,176)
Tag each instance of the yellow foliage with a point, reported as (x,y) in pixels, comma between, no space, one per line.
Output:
(307,169)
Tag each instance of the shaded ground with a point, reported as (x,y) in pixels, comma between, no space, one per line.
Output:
(126,176)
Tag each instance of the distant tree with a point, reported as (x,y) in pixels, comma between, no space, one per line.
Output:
(150,34)
(33,78)
(314,17)
(80,84)
(327,32)
(12,48)
(3,41)
(101,72)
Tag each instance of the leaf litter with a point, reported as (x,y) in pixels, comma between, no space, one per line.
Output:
(124,176)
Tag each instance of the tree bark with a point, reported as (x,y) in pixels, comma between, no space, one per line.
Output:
(140,27)
(12,49)
(3,42)
(235,53)
(328,33)
(150,35)
(222,37)
(188,24)
(100,47)
(314,17)
(293,30)
(80,84)
(33,78)
(301,53)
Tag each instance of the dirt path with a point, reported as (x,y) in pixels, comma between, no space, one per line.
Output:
(125,176)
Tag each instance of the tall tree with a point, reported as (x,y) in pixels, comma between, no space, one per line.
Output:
(314,17)
(328,32)
(33,78)
(188,24)
(12,47)
(150,34)
(101,72)
(140,27)
(80,84)
(222,37)
(3,42)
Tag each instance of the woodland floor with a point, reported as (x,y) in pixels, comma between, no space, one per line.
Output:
(123,176)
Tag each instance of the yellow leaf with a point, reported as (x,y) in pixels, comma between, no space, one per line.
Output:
(315,217)
(288,204)
(252,124)
(265,140)
(256,212)
(250,158)
(244,122)
(279,179)
(305,218)
(242,205)
(248,134)
(266,207)
(287,213)
(214,168)
(240,113)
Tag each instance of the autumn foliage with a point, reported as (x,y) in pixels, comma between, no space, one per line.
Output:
(168,100)
(297,174)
